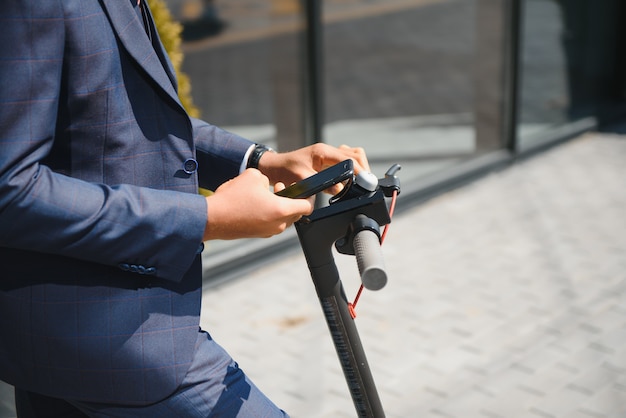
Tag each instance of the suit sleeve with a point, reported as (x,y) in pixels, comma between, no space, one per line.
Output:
(44,211)
(220,154)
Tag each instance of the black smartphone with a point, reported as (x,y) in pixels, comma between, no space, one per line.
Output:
(320,181)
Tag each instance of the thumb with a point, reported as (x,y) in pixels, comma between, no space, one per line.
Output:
(301,207)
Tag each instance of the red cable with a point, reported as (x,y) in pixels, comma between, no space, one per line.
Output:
(392,207)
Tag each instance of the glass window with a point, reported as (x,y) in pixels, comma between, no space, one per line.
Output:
(570,66)
(399,81)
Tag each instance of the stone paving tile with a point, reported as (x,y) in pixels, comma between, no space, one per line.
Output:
(506,299)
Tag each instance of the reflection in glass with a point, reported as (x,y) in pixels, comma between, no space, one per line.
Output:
(570,66)
(544,94)
(399,81)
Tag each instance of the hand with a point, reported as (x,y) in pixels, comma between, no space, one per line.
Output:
(245,207)
(290,167)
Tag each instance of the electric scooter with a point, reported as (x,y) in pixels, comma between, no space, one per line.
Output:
(351,222)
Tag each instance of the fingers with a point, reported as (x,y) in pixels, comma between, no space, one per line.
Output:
(279,186)
(245,207)
(296,165)
(297,207)
(357,154)
(311,202)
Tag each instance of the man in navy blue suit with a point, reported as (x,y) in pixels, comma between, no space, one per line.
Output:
(101,225)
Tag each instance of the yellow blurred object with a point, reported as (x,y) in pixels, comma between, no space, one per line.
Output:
(191,10)
(285,7)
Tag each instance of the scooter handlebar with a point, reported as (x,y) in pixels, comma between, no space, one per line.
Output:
(369,258)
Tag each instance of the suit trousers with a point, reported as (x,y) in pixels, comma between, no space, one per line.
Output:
(214,387)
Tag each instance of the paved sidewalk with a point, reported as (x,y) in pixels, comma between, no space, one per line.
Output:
(506,298)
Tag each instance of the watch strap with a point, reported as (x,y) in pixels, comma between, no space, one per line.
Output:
(256,154)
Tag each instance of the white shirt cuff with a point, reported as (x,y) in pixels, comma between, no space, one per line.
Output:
(246,157)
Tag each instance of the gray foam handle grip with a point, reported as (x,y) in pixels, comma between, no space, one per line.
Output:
(369,258)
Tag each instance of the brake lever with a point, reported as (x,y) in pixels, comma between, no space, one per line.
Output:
(390,184)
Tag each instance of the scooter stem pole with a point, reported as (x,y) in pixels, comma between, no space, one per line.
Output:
(347,341)
(317,235)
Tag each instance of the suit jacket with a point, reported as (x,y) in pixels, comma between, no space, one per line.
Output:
(100,220)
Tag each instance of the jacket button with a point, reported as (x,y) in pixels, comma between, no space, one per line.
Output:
(190,166)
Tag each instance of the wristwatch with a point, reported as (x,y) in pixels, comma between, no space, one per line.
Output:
(256,154)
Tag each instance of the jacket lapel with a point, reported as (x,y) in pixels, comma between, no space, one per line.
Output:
(160,49)
(132,35)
